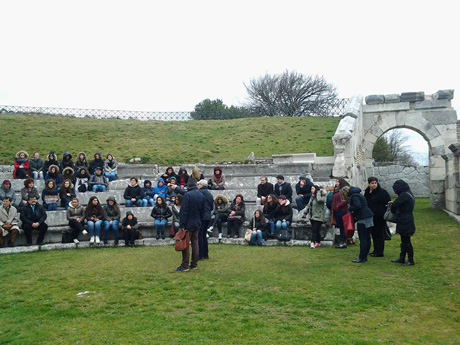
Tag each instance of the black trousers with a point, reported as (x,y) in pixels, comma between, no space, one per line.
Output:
(406,247)
(75,228)
(364,241)
(218,220)
(129,236)
(42,228)
(378,237)
(233,227)
(315,226)
(202,239)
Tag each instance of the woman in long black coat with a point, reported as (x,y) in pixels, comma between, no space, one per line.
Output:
(405,225)
(377,199)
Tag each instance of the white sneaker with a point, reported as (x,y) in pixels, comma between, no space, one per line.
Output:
(84,232)
(220,236)
(210,229)
(98,240)
(91,240)
(76,241)
(312,245)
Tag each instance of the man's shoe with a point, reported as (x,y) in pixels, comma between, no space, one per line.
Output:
(181,269)
(358,261)
(194,268)
(408,263)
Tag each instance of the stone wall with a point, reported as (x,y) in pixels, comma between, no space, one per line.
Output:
(418,178)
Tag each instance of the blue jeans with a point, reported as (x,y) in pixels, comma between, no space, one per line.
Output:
(146,202)
(111,176)
(94,227)
(114,227)
(280,225)
(37,174)
(256,237)
(129,203)
(270,225)
(301,202)
(51,207)
(160,225)
(99,188)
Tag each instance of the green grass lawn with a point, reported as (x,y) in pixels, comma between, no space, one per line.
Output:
(242,295)
(166,143)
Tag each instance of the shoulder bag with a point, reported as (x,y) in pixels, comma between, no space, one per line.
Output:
(390,216)
(182,240)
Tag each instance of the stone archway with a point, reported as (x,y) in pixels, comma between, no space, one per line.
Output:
(431,116)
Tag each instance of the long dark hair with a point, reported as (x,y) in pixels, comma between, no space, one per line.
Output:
(260,219)
(91,207)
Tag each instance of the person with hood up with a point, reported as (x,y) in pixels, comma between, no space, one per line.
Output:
(7,192)
(218,179)
(94,216)
(133,193)
(81,161)
(149,194)
(405,225)
(202,186)
(303,190)
(220,212)
(377,199)
(68,174)
(236,216)
(52,160)
(182,178)
(82,180)
(8,222)
(160,213)
(66,162)
(50,195)
(76,216)
(169,173)
(110,167)
(98,182)
(315,212)
(21,165)
(112,217)
(36,167)
(160,189)
(364,218)
(66,193)
(283,213)
(130,226)
(339,209)
(53,174)
(283,188)
(96,163)
(29,188)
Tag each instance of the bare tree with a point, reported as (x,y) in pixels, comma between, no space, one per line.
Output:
(290,94)
(391,148)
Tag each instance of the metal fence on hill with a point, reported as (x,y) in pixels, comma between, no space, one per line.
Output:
(335,109)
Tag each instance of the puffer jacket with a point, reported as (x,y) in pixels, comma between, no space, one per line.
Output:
(315,207)
(161,213)
(358,204)
(223,207)
(404,207)
(75,212)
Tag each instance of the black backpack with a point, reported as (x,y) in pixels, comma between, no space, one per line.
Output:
(284,235)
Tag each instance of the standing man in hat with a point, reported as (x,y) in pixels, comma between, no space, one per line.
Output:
(33,216)
(191,214)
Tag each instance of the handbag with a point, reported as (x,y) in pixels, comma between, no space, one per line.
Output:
(247,235)
(182,239)
(390,216)
(348,225)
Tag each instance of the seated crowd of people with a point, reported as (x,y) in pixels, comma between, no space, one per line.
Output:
(272,216)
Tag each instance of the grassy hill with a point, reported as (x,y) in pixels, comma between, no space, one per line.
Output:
(166,143)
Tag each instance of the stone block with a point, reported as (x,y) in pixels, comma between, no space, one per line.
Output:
(379,108)
(438,150)
(444,94)
(400,118)
(412,96)
(394,98)
(375,99)
(432,103)
(440,117)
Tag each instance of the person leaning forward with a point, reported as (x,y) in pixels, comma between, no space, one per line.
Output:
(191,214)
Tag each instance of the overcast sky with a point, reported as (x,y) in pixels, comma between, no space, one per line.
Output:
(170,55)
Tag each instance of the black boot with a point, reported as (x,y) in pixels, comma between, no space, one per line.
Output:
(158,235)
(162,234)
(410,256)
(402,255)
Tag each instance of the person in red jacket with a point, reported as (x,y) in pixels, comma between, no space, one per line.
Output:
(21,165)
(340,208)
